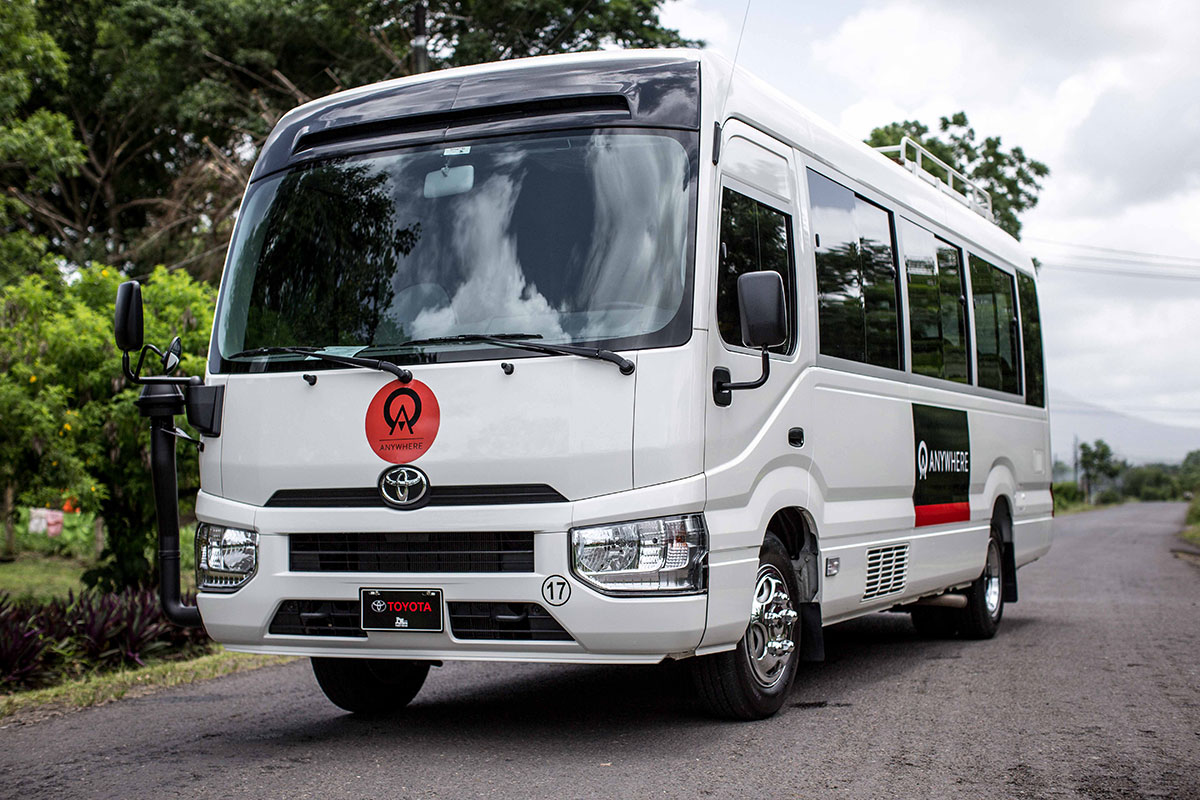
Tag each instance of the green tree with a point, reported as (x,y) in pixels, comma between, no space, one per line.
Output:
(1011,177)
(1189,471)
(1097,463)
(172,98)
(71,429)
(37,145)
(41,461)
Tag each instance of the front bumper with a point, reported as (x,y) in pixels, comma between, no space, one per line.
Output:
(604,629)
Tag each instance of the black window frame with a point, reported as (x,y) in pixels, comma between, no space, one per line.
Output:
(901,324)
(991,269)
(730,183)
(1034,369)
(962,301)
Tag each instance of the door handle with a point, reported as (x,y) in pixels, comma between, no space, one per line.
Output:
(796,437)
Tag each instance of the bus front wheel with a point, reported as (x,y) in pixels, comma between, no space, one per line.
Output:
(752,680)
(370,686)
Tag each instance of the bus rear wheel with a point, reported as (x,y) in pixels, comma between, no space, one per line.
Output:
(985,597)
(752,681)
(370,686)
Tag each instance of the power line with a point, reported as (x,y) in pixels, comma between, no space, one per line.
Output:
(1137,253)
(1126,273)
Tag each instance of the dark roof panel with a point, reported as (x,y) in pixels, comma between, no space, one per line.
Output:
(656,91)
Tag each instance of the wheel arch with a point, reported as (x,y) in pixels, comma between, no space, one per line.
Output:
(796,528)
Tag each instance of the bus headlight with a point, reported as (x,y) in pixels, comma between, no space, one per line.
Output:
(226,558)
(651,556)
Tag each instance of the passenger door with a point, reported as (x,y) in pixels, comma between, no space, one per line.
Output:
(751,468)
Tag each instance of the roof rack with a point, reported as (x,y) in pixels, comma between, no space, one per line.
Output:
(913,157)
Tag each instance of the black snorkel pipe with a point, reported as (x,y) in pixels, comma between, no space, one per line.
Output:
(160,403)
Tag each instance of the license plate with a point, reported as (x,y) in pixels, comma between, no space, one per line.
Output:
(401,610)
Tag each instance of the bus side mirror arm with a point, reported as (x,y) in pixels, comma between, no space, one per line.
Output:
(723,387)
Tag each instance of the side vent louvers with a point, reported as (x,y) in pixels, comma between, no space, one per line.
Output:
(887,568)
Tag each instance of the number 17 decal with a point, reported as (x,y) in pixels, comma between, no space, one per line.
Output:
(556,590)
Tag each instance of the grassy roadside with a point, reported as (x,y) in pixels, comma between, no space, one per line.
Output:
(1066,509)
(41,577)
(1191,534)
(95,690)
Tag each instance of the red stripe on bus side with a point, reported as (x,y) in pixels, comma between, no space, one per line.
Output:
(941,513)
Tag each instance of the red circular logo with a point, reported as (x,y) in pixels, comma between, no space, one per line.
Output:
(402,421)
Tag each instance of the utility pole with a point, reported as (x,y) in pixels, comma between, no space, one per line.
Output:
(1075,450)
(420,39)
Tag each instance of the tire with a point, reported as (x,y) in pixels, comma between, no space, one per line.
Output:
(985,597)
(750,682)
(370,687)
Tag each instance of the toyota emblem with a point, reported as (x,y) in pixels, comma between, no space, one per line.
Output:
(379,606)
(404,487)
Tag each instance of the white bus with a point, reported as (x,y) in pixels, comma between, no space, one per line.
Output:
(603,358)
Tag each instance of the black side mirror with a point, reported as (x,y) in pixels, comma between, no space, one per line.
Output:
(763,309)
(127,322)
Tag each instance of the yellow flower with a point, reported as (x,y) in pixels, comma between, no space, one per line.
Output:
(33,378)
(93,488)
(54,463)
(104,273)
(67,425)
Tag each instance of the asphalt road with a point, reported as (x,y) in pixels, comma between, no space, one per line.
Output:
(1091,689)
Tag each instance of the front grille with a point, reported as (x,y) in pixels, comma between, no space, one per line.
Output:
(886,570)
(507,621)
(368,496)
(317,618)
(411,552)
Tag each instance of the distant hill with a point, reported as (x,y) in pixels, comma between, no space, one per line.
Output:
(1134,439)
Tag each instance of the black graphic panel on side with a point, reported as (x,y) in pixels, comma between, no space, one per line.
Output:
(942,444)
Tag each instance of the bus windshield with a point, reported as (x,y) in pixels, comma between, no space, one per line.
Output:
(574,237)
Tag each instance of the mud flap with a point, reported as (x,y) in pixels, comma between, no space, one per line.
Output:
(1010,574)
(812,635)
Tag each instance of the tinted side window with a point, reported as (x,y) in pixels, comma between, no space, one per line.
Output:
(754,237)
(995,327)
(1031,338)
(856,275)
(953,298)
(937,318)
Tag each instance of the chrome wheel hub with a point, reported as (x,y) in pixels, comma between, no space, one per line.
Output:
(769,636)
(991,580)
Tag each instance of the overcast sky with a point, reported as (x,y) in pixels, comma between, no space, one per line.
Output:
(1105,92)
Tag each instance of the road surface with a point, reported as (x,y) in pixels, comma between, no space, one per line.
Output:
(1091,689)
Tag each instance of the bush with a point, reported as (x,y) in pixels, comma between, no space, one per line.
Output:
(1108,497)
(77,540)
(1193,513)
(1151,482)
(1067,493)
(42,643)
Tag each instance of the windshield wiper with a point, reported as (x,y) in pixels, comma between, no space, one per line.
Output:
(520,341)
(402,374)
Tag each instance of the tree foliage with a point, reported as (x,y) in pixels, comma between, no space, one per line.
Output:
(1097,463)
(37,144)
(72,431)
(171,98)
(1012,178)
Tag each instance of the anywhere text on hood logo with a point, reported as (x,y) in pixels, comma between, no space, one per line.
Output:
(404,487)
(402,421)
